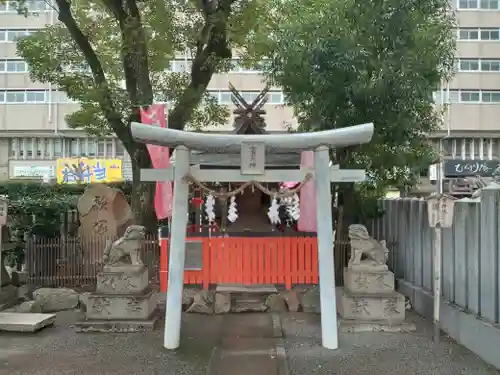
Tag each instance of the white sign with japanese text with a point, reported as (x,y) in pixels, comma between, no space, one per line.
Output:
(440,210)
(253,158)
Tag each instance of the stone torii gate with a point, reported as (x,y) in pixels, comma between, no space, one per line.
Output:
(253,149)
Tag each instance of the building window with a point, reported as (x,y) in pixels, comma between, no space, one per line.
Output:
(473,33)
(14,66)
(184,66)
(21,148)
(488,4)
(58,148)
(468,34)
(31,5)
(490,65)
(490,97)
(119,149)
(29,148)
(478,4)
(38,147)
(15,97)
(470,96)
(91,147)
(13,147)
(47,148)
(101,145)
(73,147)
(35,96)
(467,4)
(109,148)
(225,98)
(276,98)
(468,65)
(490,34)
(495,149)
(11,35)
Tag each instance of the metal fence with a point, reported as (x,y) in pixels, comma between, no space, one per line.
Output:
(76,261)
(470,250)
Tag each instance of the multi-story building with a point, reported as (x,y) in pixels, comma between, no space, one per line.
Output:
(33,131)
(470,137)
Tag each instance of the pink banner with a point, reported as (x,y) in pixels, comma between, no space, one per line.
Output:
(307,219)
(160,156)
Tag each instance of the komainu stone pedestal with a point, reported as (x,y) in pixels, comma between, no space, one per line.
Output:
(368,301)
(123,301)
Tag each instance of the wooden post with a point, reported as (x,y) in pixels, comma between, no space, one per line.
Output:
(326,261)
(177,245)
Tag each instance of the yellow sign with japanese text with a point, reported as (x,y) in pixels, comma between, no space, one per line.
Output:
(87,171)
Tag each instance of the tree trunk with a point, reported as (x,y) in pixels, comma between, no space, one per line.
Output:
(345,217)
(142,200)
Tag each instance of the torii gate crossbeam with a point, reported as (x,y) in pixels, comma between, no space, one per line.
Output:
(320,142)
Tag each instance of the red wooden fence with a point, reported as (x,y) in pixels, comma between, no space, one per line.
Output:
(250,260)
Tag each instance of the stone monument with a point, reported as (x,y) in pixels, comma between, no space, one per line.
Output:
(104,211)
(368,301)
(123,301)
(104,215)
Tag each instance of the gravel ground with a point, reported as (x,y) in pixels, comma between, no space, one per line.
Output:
(60,350)
(376,353)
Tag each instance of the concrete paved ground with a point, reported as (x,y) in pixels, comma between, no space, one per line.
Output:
(376,353)
(61,351)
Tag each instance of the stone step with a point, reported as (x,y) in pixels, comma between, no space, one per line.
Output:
(384,307)
(241,288)
(23,322)
(248,302)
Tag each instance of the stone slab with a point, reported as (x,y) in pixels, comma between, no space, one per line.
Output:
(121,306)
(117,326)
(368,281)
(241,288)
(126,280)
(18,322)
(354,326)
(387,307)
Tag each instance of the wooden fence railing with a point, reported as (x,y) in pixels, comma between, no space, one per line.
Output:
(76,261)
(250,260)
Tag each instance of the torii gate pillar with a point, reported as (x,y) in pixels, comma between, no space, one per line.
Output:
(323,175)
(326,263)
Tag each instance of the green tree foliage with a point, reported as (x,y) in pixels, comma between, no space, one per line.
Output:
(349,62)
(112,56)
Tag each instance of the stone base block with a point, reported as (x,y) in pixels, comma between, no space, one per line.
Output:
(354,326)
(118,326)
(382,308)
(121,306)
(8,297)
(368,281)
(123,280)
